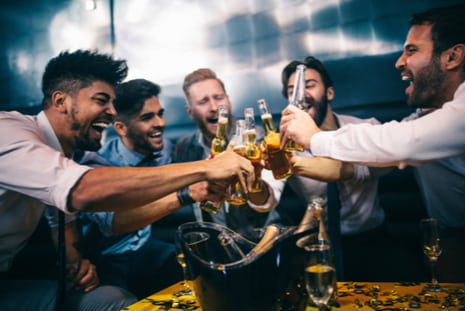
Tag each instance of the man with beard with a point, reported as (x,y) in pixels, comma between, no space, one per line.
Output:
(134,260)
(361,216)
(204,92)
(433,60)
(37,170)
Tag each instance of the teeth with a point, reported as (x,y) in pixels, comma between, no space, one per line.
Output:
(101,124)
(406,78)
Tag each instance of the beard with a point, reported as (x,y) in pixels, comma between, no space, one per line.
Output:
(140,143)
(427,84)
(83,140)
(321,107)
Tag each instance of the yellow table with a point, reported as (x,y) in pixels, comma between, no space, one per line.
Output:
(361,296)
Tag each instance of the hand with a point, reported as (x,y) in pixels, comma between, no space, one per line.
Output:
(212,191)
(83,275)
(297,125)
(228,166)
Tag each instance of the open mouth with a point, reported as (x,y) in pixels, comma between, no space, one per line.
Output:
(409,78)
(212,120)
(100,126)
(156,134)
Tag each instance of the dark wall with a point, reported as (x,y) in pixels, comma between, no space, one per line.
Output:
(246,43)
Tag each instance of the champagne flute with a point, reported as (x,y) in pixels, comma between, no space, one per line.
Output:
(432,249)
(320,274)
(192,240)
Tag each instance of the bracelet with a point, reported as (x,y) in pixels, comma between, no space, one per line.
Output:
(184,197)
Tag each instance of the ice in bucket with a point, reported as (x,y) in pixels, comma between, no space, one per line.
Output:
(228,276)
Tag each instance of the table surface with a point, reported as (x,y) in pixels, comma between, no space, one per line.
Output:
(361,296)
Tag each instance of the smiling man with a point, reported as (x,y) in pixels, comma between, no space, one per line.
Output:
(433,60)
(37,170)
(133,260)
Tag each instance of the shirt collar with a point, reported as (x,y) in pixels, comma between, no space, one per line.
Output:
(51,138)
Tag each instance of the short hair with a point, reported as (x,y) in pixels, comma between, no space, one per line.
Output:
(309,62)
(70,72)
(198,76)
(131,95)
(448,26)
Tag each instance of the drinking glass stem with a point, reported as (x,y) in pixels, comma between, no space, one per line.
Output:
(322,307)
(434,279)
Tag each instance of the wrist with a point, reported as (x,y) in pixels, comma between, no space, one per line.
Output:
(184,197)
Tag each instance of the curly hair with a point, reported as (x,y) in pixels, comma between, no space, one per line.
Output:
(70,72)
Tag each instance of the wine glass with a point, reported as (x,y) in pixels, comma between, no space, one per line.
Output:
(432,249)
(192,240)
(320,274)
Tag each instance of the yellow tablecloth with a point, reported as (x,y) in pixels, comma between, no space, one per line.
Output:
(361,296)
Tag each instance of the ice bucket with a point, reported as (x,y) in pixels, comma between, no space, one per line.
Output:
(229,276)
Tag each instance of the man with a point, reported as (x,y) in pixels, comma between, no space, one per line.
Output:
(135,260)
(433,61)
(361,216)
(204,92)
(37,170)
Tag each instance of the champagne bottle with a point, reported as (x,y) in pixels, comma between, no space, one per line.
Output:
(265,243)
(252,150)
(297,100)
(278,158)
(316,203)
(218,145)
(236,195)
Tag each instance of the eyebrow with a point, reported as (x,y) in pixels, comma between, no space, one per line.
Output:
(290,86)
(107,96)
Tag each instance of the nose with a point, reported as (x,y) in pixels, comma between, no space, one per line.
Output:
(400,63)
(111,110)
(213,104)
(159,121)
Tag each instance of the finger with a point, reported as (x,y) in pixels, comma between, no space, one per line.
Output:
(93,285)
(283,137)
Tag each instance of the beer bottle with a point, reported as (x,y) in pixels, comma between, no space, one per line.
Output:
(252,150)
(218,145)
(297,100)
(278,158)
(236,195)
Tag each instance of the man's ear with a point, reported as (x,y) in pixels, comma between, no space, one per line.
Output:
(120,128)
(58,100)
(330,93)
(454,57)
(189,111)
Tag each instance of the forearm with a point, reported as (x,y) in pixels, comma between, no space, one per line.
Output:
(134,219)
(434,136)
(323,169)
(118,188)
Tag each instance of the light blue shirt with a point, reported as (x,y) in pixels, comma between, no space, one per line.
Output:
(115,153)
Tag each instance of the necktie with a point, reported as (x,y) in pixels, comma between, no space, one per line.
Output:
(334,228)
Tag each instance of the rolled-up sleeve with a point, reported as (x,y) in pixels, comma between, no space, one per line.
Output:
(29,166)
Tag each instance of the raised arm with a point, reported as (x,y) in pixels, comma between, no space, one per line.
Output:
(118,188)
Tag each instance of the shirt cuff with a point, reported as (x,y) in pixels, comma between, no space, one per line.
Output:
(320,143)
(268,205)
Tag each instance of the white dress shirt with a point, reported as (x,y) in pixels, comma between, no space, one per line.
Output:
(360,207)
(33,173)
(438,135)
